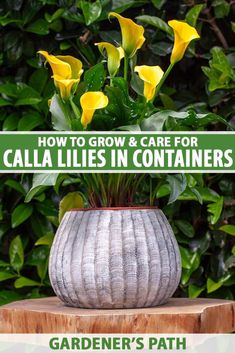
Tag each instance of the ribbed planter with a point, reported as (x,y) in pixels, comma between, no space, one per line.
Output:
(114,258)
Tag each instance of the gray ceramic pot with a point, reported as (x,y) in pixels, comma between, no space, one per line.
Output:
(114,258)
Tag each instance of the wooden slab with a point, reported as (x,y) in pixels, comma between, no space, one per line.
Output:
(179,315)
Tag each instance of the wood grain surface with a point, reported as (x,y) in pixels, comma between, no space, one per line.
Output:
(179,315)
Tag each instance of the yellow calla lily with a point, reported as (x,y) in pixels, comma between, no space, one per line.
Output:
(132,34)
(184,34)
(74,63)
(151,75)
(67,71)
(65,85)
(114,56)
(90,101)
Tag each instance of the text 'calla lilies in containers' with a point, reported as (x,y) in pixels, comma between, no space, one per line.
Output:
(67,71)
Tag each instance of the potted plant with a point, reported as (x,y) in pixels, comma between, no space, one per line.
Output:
(114,254)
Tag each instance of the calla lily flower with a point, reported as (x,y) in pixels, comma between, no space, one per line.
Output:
(67,71)
(151,75)
(132,34)
(114,56)
(65,85)
(184,34)
(90,101)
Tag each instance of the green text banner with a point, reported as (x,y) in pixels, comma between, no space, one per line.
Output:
(117,152)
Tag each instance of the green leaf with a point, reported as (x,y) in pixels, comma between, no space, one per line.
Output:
(161,49)
(155,22)
(129,128)
(158,3)
(197,194)
(45,240)
(228,228)
(213,286)
(185,227)
(221,62)
(3,229)
(167,101)
(215,210)
(94,77)
(91,10)
(163,190)
(137,84)
(70,201)
(4,20)
(55,16)
(40,27)
(40,181)
(59,120)
(233,26)
(117,105)
(27,96)
(42,269)
(4,102)
(221,8)
(47,208)
(20,214)
(16,253)
(38,256)
(230,262)
(25,282)
(9,89)
(6,275)
(4,264)
(220,73)
(178,184)
(192,15)
(29,121)
(11,122)
(206,194)
(39,79)
(154,123)
(7,296)
(233,250)
(194,291)
(190,261)
(13,184)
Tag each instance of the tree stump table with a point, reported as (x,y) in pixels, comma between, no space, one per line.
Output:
(179,315)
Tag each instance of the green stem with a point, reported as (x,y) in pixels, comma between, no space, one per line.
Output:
(126,65)
(164,77)
(102,189)
(151,192)
(142,116)
(111,81)
(66,110)
(75,109)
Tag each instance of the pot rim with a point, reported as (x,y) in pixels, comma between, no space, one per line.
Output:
(114,208)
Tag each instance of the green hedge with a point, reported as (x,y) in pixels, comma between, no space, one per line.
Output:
(203,81)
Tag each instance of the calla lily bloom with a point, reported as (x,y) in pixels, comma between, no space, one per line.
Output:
(65,85)
(67,71)
(151,75)
(184,34)
(114,56)
(132,34)
(90,101)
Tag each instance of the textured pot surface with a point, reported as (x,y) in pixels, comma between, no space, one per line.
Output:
(122,258)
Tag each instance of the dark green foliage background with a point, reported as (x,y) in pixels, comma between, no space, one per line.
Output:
(72,27)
